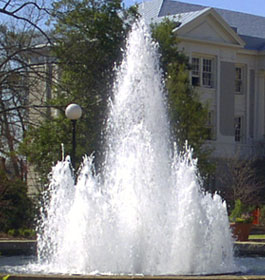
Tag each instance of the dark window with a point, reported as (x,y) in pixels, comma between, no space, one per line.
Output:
(238,129)
(238,80)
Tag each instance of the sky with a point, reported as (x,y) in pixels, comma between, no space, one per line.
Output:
(255,7)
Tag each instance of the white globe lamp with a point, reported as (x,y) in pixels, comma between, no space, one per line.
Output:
(73,112)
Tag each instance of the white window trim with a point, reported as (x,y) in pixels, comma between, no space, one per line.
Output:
(241,80)
(199,76)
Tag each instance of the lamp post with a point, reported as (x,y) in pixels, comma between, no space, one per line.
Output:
(73,112)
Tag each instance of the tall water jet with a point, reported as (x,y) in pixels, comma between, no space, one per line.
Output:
(145,213)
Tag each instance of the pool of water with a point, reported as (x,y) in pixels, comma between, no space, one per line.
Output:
(15,264)
(27,265)
(252,265)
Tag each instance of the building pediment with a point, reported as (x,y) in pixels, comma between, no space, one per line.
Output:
(208,26)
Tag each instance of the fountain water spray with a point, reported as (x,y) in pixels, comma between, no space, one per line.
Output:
(145,213)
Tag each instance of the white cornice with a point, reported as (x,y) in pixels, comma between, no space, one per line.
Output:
(208,42)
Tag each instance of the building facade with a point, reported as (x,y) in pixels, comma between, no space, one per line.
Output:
(43,78)
(227,54)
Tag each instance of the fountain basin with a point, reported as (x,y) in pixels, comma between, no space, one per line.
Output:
(126,277)
(19,267)
(249,248)
(28,248)
(24,267)
(17,247)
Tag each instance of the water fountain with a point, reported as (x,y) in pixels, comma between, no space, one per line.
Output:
(145,213)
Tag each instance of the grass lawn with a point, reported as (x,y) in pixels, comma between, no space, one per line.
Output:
(256,236)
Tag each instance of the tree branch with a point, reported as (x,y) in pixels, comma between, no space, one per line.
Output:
(14,15)
(30,107)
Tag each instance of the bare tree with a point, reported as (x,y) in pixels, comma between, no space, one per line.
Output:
(238,179)
(22,37)
(28,13)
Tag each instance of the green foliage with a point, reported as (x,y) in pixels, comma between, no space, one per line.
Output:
(168,43)
(42,145)
(22,232)
(188,115)
(27,233)
(89,36)
(16,207)
(241,213)
(238,209)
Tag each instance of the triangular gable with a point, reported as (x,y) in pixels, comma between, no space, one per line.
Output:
(207,25)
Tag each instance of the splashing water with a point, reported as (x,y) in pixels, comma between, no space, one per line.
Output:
(145,213)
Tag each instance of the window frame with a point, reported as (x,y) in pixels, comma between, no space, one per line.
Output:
(210,126)
(203,71)
(195,73)
(238,125)
(239,79)
(207,75)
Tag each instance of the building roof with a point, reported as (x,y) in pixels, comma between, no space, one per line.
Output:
(250,28)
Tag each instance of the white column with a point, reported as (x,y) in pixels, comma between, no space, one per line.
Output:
(218,96)
(259,117)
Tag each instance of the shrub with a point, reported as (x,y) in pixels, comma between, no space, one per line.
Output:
(16,207)
(241,213)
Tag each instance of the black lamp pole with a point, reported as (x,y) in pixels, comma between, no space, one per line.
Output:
(73,112)
(73,142)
